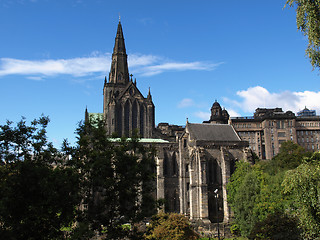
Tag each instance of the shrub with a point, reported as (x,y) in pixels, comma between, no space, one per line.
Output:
(171,226)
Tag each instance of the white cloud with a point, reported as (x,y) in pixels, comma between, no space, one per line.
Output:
(186,102)
(202,115)
(75,66)
(138,60)
(233,113)
(260,97)
(35,78)
(178,66)
(145,65)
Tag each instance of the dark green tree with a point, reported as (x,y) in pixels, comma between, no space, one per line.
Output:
(308,22)
(38,191)
(118,180)
(276,226)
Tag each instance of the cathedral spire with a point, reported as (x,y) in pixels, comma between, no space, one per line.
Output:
(149,95)
(119,67)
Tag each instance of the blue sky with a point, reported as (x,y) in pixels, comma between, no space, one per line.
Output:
(246,54)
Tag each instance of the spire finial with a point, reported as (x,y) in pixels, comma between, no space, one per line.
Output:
(119,18)
(149,95)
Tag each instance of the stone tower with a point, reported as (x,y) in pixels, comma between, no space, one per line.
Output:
(218,115)
(125,109)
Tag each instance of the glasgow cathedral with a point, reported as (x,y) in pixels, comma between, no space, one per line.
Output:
(195,161)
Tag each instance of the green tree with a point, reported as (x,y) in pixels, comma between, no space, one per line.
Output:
(236,179)
(246,199)
(303,185)
(308,22)
(173,226)
(117,180)
(276,226)
(38,192)
(254,194)
(289,157)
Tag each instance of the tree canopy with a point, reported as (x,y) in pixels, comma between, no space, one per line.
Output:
(99,187)
(303,185)
(38,192)
(279,198)
(308,22)
(117,180)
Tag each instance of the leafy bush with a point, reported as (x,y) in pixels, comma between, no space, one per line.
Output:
(171,226)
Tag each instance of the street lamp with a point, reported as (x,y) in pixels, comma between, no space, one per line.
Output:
(216,195)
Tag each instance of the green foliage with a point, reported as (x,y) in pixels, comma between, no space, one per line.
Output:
(286,187)
(290,156)
(235,229)
(276,226)
(38,192)
(308,22)
(242,168)
(303,185)
(245,202)
(117,180)
(171,226)
(254,194)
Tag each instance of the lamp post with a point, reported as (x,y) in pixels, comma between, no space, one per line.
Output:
(216,195)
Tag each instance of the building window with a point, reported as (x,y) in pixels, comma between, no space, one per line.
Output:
(174,164)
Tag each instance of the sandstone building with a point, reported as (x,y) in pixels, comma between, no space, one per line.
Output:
(124,107)
(194,162)
(268,128)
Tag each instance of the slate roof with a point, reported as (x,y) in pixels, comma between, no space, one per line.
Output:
(212,132)
(141,140)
